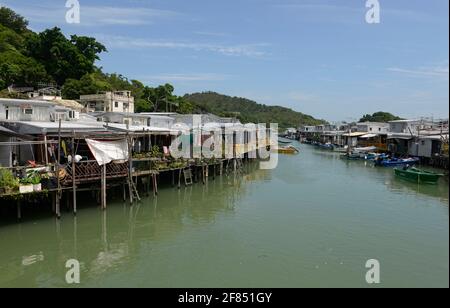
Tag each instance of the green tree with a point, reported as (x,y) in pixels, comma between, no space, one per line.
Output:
(88,84)
(63,58)
(15,68)
(10,40)
(184,106)
(12,20)
(88,47)
(380,116)
(161,98)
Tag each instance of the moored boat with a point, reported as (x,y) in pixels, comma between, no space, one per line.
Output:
(325,146)
(340,149)
(393,162)
(288,150)
(418,175)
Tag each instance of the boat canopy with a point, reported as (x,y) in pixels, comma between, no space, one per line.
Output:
(368,136)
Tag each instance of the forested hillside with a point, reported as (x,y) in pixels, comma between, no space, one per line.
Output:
(249,111)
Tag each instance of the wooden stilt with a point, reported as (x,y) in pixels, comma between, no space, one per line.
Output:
(103,190)
(74,185)
(53,203)
(58,205)
(124,189)
(204,174)
(19,211)
(130,162)
(67,202)
(46,150)
(58,194)
(155,185)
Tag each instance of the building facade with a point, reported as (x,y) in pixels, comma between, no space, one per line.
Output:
(118,101)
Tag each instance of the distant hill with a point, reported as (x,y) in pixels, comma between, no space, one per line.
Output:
(248,111)
(380,116)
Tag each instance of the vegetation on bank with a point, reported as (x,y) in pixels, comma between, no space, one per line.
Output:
(29,59)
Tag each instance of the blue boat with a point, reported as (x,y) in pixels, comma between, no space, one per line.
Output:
(396,162)
(325,146)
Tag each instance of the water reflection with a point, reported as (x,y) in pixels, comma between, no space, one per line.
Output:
(119,233)
(439,191)
(235,227)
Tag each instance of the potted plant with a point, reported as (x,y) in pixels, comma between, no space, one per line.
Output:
(8,182)
(36,180)
(26,185)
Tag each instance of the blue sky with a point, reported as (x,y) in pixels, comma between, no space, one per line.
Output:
(315,56)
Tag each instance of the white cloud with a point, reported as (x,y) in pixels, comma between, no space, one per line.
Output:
(248,50)
(325,12)
(212,34)
(429,72)
(94,15)
(184,77)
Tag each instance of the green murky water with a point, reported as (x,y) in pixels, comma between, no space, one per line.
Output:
(312,222)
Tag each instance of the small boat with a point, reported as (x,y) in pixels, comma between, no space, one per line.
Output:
(340,149)
(325,146)
(395,162)
(365,150)
(418,176)
(364,156)
(374,156)
(284,142)
(288,150)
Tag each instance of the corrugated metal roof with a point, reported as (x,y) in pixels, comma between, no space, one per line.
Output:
(355,134)
(136,128)
(53,127)
(69,104)
(7,132)
(12,101)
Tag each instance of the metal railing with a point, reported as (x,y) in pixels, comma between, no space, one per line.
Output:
(87,171)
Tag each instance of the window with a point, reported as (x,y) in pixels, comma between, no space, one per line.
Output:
(370,129)
(28,111)
(7,113)
(116,104)
(379,129)
(73,114)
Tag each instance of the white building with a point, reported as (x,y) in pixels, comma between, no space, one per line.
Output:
(25,110)
(411,127)
(373,127)
(118,101)
(427,146)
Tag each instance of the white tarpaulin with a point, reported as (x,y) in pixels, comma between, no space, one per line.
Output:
(108,151)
